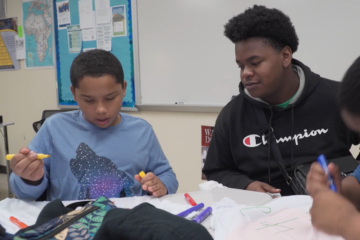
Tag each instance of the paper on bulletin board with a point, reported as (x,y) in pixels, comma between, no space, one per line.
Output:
(89,34)
(103,11)
(63,14)
(8,31)
(74,38)
(20,48)
(103,36)
(86,14)
(88,49)
(119,21)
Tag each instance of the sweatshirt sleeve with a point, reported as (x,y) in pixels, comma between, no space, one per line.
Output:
(160,166)
(40,144)
(220,165)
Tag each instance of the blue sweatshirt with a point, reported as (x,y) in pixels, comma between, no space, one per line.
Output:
(88,162)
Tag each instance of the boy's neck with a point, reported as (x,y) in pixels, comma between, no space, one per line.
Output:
(290,85)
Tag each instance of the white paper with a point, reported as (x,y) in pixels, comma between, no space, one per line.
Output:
(283,218)
(103,11)
(118,26)
(90,33)
(119,21)
(63,13)
(88,49)
(86,14)
(20,48)
(74,38)
(103,36)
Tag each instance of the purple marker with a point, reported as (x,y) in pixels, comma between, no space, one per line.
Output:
(203,215)
(190,210)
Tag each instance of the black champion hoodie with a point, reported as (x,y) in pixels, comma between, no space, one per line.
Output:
(239,153)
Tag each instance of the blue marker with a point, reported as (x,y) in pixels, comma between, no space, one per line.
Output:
(322,160)
(190,210)
(203,215)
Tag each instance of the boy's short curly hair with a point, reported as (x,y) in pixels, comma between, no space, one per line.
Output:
(95,63)
(259,21)
(349,94)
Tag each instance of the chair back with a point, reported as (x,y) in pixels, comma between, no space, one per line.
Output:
(46,114)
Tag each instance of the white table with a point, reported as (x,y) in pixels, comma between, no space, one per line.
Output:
(208,197)
(16,207)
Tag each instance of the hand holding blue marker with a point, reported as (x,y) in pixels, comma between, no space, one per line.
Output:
(322,160)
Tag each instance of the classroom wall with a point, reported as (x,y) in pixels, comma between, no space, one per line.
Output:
(24,94)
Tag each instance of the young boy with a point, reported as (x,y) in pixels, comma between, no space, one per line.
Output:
(337,213)
(298,105)
(95,151)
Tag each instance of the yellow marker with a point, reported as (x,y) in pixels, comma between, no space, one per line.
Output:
(39,156)
(142,174)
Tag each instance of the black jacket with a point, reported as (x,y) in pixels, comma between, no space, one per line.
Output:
(238,153)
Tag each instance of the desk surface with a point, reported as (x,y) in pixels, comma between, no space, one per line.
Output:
(208,197)
(16,207)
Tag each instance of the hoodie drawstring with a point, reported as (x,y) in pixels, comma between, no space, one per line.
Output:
(292,142)
(269,144)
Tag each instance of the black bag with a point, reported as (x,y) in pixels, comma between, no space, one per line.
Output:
(346,164)
(101,219)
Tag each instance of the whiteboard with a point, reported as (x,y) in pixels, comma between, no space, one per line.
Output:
(185,57)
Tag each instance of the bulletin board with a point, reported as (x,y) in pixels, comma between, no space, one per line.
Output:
(121,46)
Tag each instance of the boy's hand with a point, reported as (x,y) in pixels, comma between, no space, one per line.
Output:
(261,187)
(152,184)
(317,179)
(332,213)
(26,166)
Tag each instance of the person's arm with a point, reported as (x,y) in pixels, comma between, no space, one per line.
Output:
(333,214)
(220,165)
(351,229)
(161,169)
(28,189)
(351,188)
(30,181)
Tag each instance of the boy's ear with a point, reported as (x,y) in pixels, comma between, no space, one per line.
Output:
(72,89)
(286,54)
(124,87)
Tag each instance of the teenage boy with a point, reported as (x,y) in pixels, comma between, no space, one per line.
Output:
(299,106)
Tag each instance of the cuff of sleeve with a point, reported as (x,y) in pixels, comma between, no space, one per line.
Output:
(246,183)
(356,174)
(26,191)
(167,185)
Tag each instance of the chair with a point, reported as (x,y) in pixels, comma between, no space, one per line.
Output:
(36,126)
(46,114)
